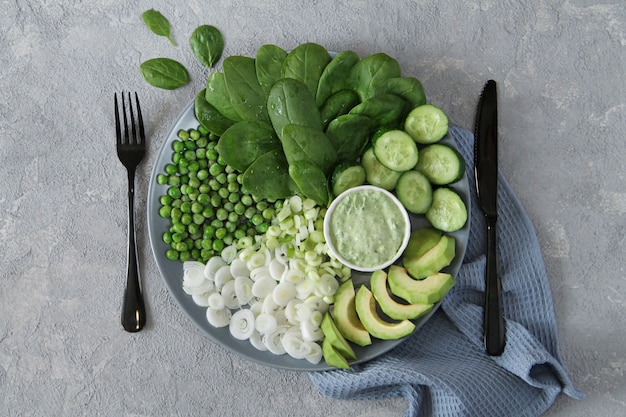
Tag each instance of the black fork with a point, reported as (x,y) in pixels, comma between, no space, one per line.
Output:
(131,148)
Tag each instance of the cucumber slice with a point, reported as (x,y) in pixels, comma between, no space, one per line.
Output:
(441,164)
(376,173)
(426,124)
(347,175)
(396,150)
(414,192)
(447,212)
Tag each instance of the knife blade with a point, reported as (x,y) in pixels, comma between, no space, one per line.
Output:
(486,175)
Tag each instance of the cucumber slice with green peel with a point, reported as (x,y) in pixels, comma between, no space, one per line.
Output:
(396,150)
(441,164)
(414,192)
(426,124)
(376,173)
(448,211)
(347,175)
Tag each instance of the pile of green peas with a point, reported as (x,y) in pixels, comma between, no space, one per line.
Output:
(207,204)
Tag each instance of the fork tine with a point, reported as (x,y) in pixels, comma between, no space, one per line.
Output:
(142,136)
(133,128)
(118,130)
(126,140)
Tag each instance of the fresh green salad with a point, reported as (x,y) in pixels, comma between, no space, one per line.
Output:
(279,136)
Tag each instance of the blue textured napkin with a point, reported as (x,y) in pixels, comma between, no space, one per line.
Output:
(442,369)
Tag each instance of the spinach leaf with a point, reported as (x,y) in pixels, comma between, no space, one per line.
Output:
(209,117)
(311,181)
(335,78)
(246,94)
(371,71)
(385,110)
(217,95)
(207,44)
(157,23)
(269,61)
(349,135)
(302,143)
(290,102)
(164,73)
(242,143)
(268,177)
(305,63)
(339,103)
(409,88)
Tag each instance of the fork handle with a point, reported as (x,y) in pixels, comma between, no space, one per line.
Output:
(133,309)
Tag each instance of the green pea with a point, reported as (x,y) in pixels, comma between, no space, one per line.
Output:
(221,178)
(185,207)
(216,200)
(233,217)
(184,256)
(262,228)
(167,237)
(176,158)
(166,200)
(221,232)
(197,207)
(171,169)
(221,214)
(162,179)
(165,211)
(174,192)
(209,231)
(202,142)
(178,237)
(215,170)
(194,166)
(198,218)
(239,208)
(186,219)
(208,212)
(257,219)
(178,146)
(190,145)
(218,245)
(171,254)
(183,134)
(223,192)
(179,228)
(173,180)
(206,243)
(202,174)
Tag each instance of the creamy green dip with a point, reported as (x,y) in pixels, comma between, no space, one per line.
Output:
(367,228)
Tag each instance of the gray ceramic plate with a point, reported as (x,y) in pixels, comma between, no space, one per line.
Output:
(172,271)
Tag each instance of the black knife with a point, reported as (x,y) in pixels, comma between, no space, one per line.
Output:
(486,173)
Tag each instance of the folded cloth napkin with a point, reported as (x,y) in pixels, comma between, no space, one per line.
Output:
(442,369)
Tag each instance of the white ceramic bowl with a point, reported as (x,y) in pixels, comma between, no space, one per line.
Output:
(368,217)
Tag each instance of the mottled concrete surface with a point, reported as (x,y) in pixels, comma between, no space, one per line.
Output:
(561,69)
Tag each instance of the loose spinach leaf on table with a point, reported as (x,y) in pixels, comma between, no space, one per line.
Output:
(207,44)
(157,23)
(164,73)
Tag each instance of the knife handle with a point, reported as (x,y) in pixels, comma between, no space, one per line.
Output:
(493,319)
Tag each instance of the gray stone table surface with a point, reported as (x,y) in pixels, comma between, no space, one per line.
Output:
(561,69)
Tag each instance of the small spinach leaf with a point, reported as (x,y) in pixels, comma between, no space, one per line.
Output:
(164,73)
(335,78)
(311,181)
(409,88)
(302,143)
(246,94)
(269,62)
(290,102)
(305,63)
(157,23)
(339,103)
(217,95)
(385,110)
(371,71)
(207,44)
(349,135)
(209,117)
(268,177)
(242,143)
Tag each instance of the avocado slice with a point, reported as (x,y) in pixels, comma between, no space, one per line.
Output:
(392,308)
(346,319)
(366,309)
(431,261)
(421,241)
(332,333)
(332,356)
(428,290)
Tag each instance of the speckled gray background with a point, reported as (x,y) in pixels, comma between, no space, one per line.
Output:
(561,70)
